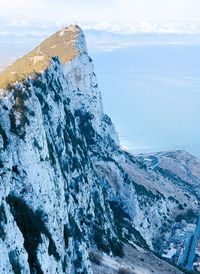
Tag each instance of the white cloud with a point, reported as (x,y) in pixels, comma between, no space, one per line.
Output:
(151,11)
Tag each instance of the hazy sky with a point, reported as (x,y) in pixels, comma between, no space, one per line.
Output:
(99,10)
(124,16)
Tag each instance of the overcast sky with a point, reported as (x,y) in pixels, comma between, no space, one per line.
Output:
(101,11)
(96,10)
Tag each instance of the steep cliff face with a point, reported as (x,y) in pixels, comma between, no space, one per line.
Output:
(66,185)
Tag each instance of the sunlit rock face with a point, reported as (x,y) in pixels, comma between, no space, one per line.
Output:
(66,185)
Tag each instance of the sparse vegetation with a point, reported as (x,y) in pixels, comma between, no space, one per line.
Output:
(14,261)
(4,137)
(19,107)
(86,127)
(122,220)
(39,59)
(3,220)
(100,239)
(180,207)
(95,258)
(66,234)
(188,216)
(51,152)
(31,225)
(124,270)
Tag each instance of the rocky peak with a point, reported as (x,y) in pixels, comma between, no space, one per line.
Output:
(78,37)
(66,187)
(65,44)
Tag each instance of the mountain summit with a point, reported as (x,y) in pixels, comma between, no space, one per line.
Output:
(71,200)
(65,44)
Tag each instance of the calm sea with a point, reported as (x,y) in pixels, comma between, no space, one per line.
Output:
(152,94)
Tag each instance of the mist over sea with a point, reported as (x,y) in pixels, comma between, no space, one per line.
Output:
(152,93)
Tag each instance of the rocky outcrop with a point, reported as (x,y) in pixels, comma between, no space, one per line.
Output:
(66,185)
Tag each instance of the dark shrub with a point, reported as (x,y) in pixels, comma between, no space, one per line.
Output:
(95,258)
(32,225)
(14,261)
(124,270)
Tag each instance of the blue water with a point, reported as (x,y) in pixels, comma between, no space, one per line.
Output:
(152,94)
